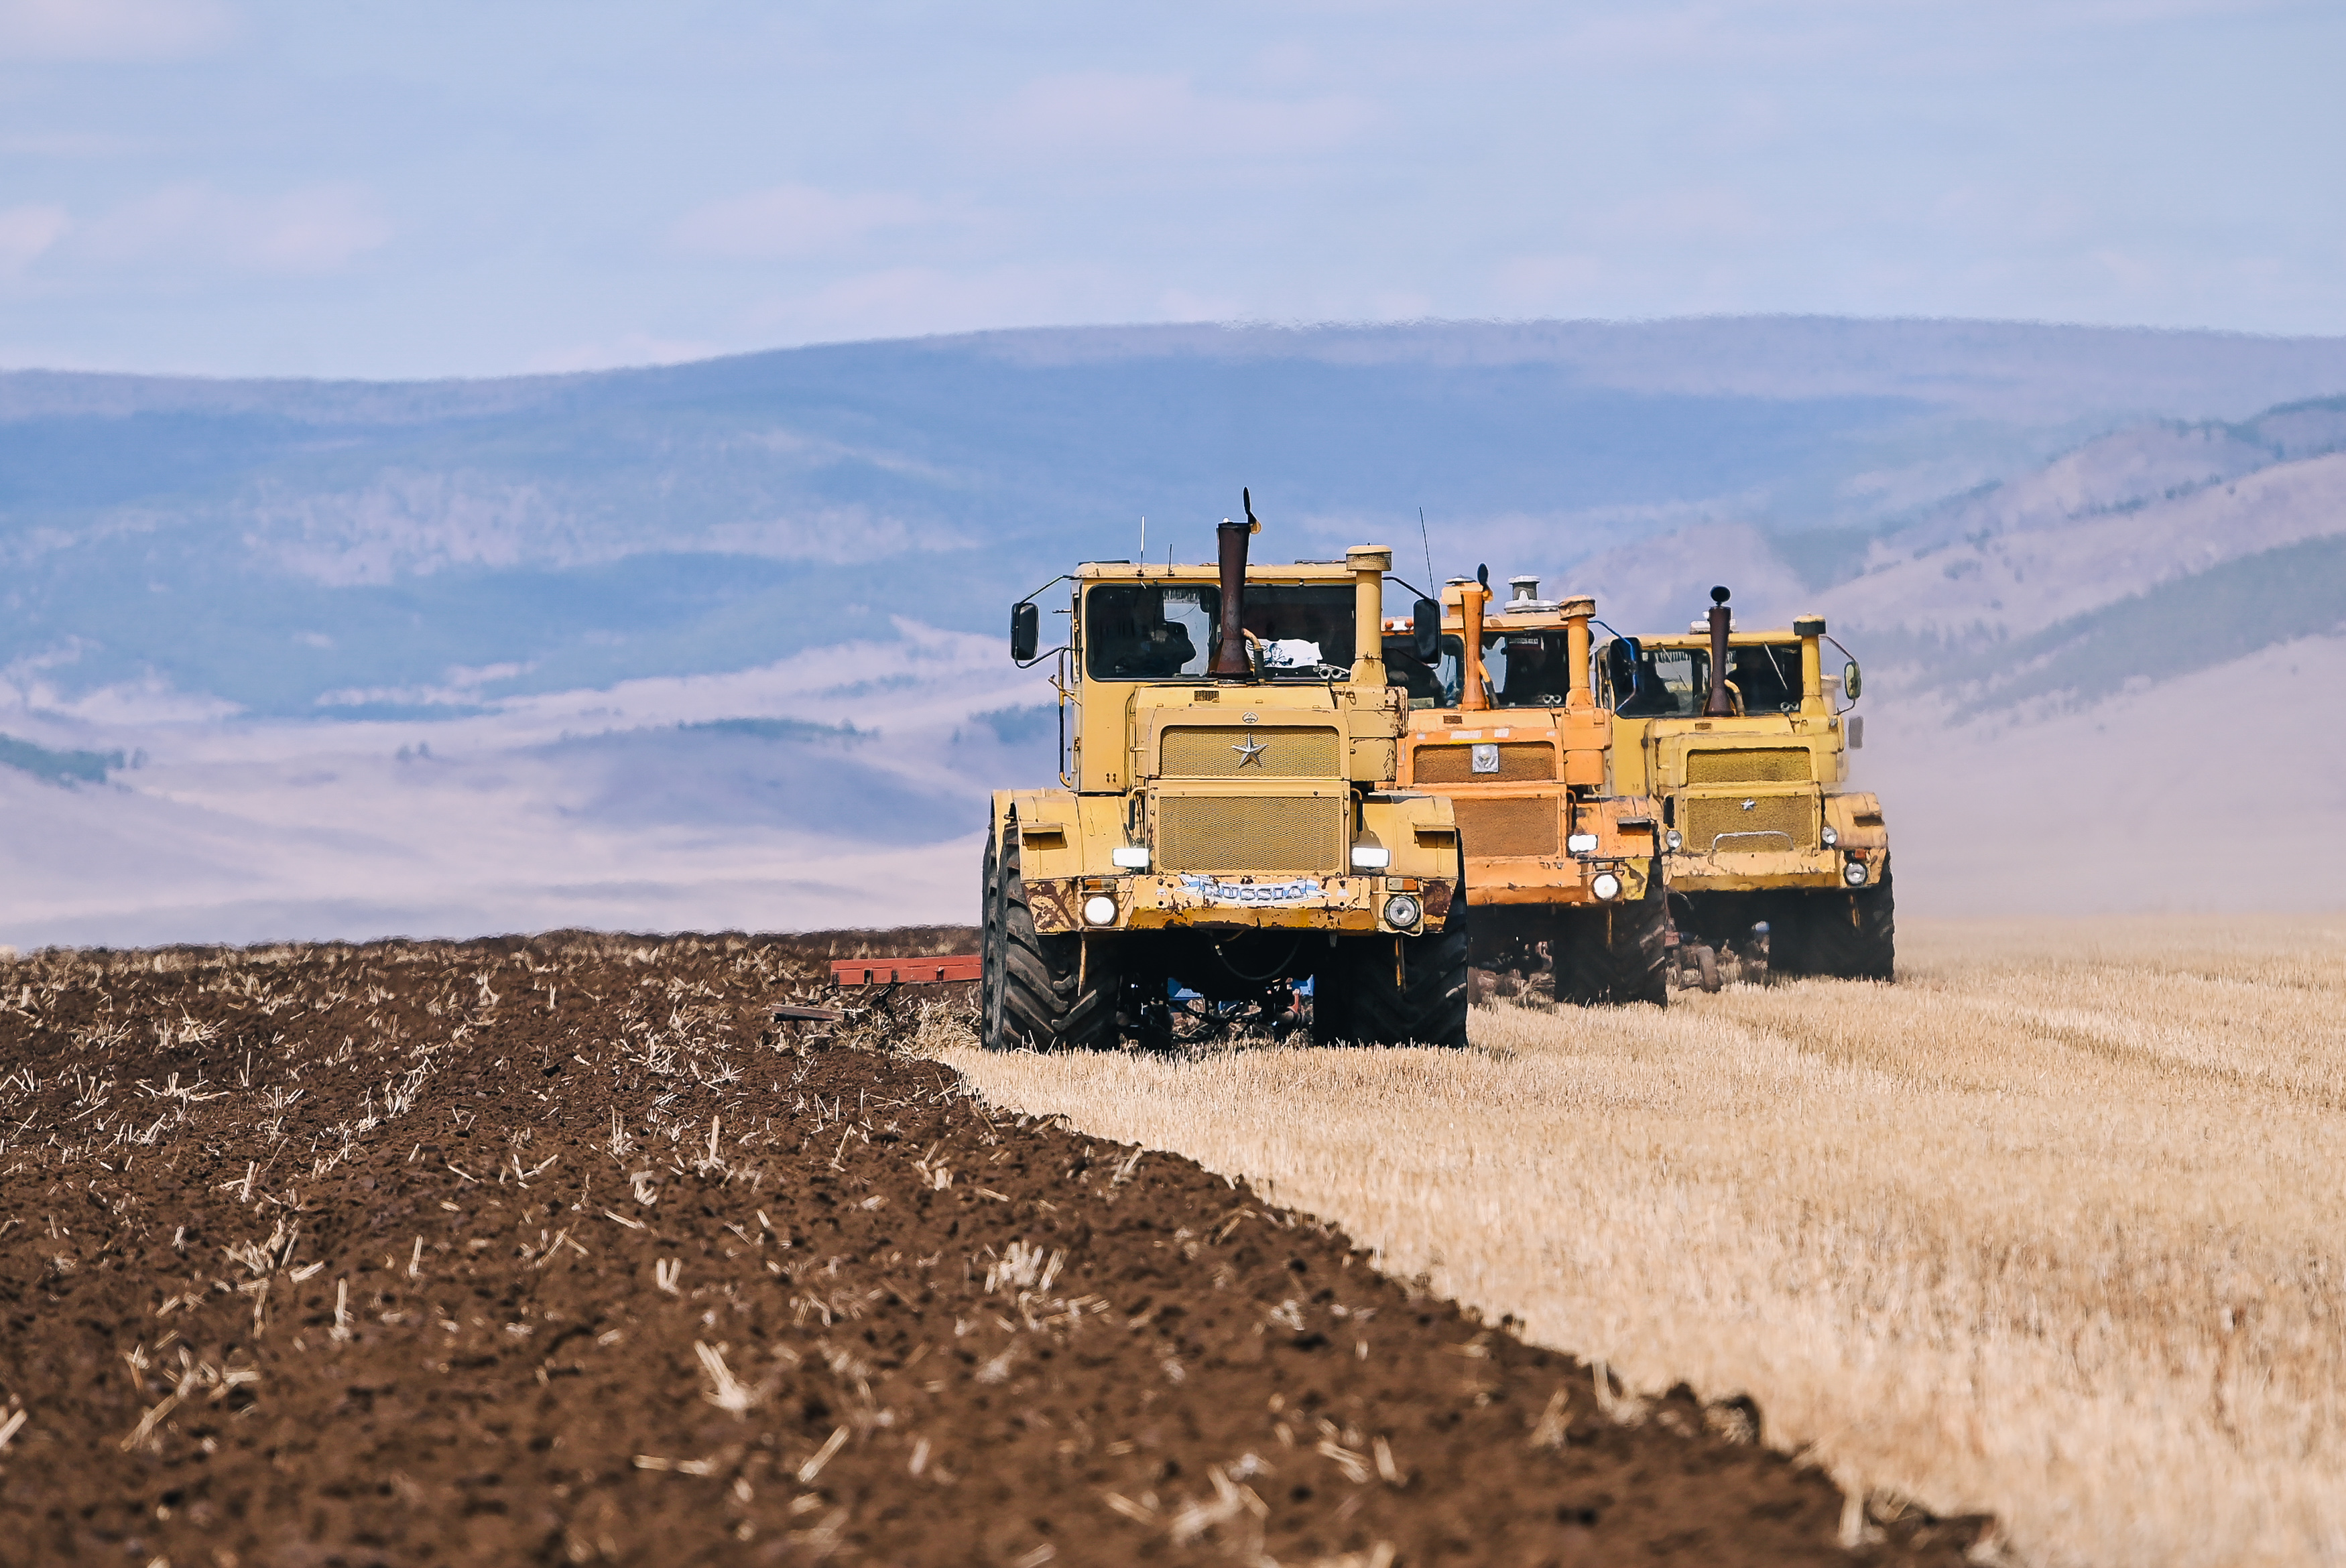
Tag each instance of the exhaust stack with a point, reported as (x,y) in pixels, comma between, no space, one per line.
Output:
(1577,613)
(1810,630)
(1718,705)
(1475,694)
(1230,661)
(1369,564)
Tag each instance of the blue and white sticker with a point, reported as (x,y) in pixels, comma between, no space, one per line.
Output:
(1216,892)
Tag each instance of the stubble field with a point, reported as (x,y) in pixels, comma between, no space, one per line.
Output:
(554,1251)
(2055,1227)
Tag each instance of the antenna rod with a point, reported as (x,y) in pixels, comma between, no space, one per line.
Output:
(1427,540)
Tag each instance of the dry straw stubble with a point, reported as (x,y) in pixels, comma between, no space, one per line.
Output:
(2050,1227)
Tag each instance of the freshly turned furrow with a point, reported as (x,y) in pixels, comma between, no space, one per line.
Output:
(555,1250)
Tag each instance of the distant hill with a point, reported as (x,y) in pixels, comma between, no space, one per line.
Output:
(720,643)
(356,549)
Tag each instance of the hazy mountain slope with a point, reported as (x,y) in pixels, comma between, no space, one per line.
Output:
(720,644)
(724,800)
(2022,580)
(2222,789)
(290,547)
(2050,563)
(2185,624)
(1663,584)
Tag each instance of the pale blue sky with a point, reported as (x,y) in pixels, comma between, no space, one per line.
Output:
(262,186)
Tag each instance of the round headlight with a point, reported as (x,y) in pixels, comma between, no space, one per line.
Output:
(1099,910)
(1833,835)
(1605,886)
(1401,910)
(1854,873)
(1671,839)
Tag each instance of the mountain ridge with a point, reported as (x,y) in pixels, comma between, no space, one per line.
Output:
(455,657)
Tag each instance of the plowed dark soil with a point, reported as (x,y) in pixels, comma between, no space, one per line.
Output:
(555,1251)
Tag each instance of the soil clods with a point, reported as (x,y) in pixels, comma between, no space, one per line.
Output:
(559,1251)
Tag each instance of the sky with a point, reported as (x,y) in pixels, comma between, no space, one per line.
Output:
(321,188)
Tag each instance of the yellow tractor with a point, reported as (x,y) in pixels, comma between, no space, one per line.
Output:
(1738,735)
(1228,831)
(1560,868)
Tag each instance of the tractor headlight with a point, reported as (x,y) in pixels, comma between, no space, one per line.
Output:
(1832,835)
(1131,857)
(1670,840)
(1581,843)
(1606,886)
(1402,910)
(1099,910)
(1371,857)
(1854,873)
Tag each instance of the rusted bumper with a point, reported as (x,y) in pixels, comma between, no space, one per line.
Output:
(1557,880)
(1169,901)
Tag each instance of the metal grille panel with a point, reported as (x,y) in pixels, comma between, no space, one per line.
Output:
(1519,761)
(1494,828)
(1774,823)
(1789,766)
(1280,751)
(1251,833)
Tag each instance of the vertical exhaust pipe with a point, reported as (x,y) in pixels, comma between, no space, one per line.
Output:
(1718,705)
(1810,630)
(1368,563)
(1476,687)
(1577,612)
(1230,661)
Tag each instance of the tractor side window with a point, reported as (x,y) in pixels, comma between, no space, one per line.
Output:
(1435,685)
(1135,631)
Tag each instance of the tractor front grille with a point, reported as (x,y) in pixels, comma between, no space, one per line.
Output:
(1251,833)
(1727,824)
(1496,828)
(1247,750)
(1520,761)
(1783,766)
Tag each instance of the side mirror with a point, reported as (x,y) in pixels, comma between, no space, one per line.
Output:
(1025,631)
(1425,630)
(1852,680)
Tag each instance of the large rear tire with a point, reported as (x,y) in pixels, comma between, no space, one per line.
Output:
(989,947)
(1393,991)
(1849,936)
(1615,953)
(1042,991)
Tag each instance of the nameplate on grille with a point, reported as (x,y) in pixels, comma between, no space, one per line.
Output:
(1220,892)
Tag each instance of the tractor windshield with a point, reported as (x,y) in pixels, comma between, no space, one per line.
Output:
(1166,631)
(1672,682)
(1527,669)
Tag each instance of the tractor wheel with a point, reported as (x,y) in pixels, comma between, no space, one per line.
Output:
(1042,990)
(1615,953)
(1393,991)
(989,947)
(1851,935)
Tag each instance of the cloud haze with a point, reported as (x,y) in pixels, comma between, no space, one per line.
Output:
(448,188)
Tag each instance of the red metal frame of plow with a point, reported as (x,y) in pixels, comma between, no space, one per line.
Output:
(907,970)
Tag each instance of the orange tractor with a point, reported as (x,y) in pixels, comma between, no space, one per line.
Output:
(1561,867)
